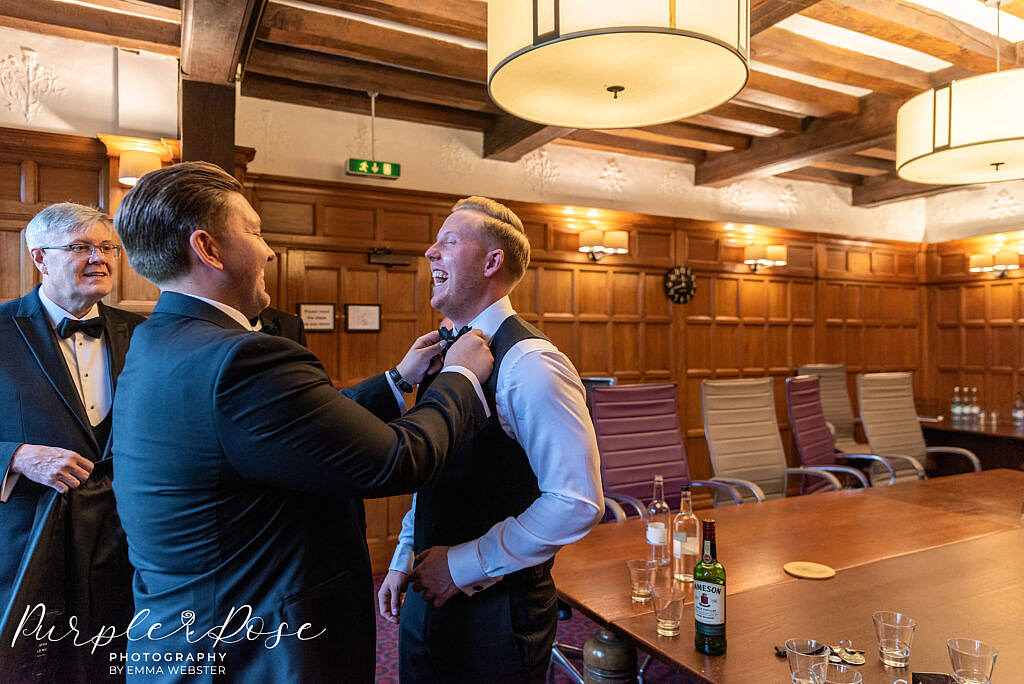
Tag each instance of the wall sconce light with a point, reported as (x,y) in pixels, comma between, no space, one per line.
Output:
(981,263)
(597,244)
(1000,261)
(764,256)
(135,164)
(138,156)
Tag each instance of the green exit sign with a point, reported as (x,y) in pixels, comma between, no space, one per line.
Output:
(368,167)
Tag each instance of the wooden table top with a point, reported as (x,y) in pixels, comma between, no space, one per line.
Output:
(996,495)
(1002,428)
(840,529)
(972,589)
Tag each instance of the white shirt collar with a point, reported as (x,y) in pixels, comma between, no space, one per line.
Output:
(56,314)
(490,319)
(234,313)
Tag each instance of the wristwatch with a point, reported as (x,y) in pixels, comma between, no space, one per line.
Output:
(400,382)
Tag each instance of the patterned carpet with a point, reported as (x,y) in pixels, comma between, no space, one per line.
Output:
(574,631)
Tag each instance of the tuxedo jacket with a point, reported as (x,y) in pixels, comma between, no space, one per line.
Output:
(239,473)
(277,322)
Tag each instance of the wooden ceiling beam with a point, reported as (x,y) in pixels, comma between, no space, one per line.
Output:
(883,189)
(463,18)
(789,50)
(767,13)
(324,32)
(793,96)
(879,153)
(858,164)
(738,118)
(686,135)
(924,29)
(817,175)
(340,72)
(283,90)
(139,8)
(605,142)
(509,138)
(216,36)
(92,24)
(822,140)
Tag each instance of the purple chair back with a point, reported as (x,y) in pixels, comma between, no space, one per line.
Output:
(811,434)
(638,437)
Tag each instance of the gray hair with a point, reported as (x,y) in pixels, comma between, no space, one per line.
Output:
(64,218)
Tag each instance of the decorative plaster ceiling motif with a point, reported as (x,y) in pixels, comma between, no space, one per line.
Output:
(26,84)
(540,171)
(612,179)
(789,203)
(1003,206)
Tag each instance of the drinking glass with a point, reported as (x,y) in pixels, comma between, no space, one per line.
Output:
(641,579)
(801,654)
(668,609)
(895,632)
(831,673)
(972,660)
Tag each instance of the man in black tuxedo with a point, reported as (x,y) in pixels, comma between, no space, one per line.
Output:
(62,353)
(276,322)
(240,470)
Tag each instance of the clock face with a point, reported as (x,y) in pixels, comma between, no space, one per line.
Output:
(680,284)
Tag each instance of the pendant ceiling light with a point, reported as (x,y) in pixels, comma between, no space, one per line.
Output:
(615,63)
(969,131)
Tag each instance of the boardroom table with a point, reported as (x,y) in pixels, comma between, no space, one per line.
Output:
(947,551)
(997,445)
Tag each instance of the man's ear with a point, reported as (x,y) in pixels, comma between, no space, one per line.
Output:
(206,249)
(495,260)
(37,260)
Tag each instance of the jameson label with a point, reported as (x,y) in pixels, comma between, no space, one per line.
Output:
(709,607)
(681,545)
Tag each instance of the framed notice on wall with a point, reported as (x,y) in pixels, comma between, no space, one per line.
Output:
(362,318)
(317,317)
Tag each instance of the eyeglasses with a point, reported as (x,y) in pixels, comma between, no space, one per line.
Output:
(82,249)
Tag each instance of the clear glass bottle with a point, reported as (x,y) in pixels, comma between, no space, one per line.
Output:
(1018,411)
(658,522)
(685,542)
(975,406)
(956,408)
(709,597)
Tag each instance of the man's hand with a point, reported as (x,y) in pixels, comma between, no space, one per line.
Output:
(389,598)
(51,466)
(431,576)
(422,359)
(471,352)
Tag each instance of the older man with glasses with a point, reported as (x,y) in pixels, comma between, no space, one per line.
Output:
(62,353)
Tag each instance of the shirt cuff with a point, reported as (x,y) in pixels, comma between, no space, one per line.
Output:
(10,479)
(399,397)
(476,384)
(466,569)
(403,558)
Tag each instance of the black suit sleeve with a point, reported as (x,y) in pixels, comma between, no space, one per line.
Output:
(283,424)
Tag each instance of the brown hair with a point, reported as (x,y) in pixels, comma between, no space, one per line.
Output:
(505,230)
(157,217)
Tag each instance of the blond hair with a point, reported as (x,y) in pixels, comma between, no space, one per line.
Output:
(505,231)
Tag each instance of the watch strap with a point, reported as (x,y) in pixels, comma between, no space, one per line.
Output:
(400,382)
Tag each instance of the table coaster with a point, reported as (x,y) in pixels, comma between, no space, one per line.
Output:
(807,570)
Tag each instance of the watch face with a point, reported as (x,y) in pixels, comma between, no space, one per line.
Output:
(680,284)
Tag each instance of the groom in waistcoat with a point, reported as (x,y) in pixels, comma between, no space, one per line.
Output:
(478,544)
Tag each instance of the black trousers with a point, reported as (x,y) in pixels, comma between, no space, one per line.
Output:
(501,634)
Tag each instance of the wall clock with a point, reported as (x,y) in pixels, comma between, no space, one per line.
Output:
(680,284)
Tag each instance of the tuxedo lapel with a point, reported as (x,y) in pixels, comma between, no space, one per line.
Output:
(34,327)
(117,343)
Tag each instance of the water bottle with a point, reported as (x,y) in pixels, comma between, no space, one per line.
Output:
(1018,411)
(956,407)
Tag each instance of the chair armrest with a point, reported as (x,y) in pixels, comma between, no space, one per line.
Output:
(733,492)
(616,510)
(848,470)
(876,457)
(966,453)
(632,501)
(915,464)
(817,472)
(754,489)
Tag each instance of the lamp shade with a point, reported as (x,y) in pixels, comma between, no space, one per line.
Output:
(616,242)
(776,254)
(134,164)
(754,254)
(980,263)
(592,240)
(1006,261)
(970,131)
(615,64)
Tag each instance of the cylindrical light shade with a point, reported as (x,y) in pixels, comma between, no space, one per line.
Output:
(1006,261)
(616,242)
(970,131)
(980,263)
(614,64)
(592,240)
(754,254)
(134,164)
(776,254)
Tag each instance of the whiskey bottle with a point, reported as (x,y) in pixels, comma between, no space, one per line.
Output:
(709,597)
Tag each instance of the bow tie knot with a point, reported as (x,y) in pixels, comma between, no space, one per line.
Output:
(450,336)
(93,327)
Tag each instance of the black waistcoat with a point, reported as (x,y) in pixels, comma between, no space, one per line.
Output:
(488,478)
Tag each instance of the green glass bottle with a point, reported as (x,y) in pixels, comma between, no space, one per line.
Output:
(709,597)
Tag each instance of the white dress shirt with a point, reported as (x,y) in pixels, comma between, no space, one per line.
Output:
(541,404)
(87,363)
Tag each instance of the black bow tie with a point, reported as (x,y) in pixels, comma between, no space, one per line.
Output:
(449,336)
(93,327)
(273,328)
